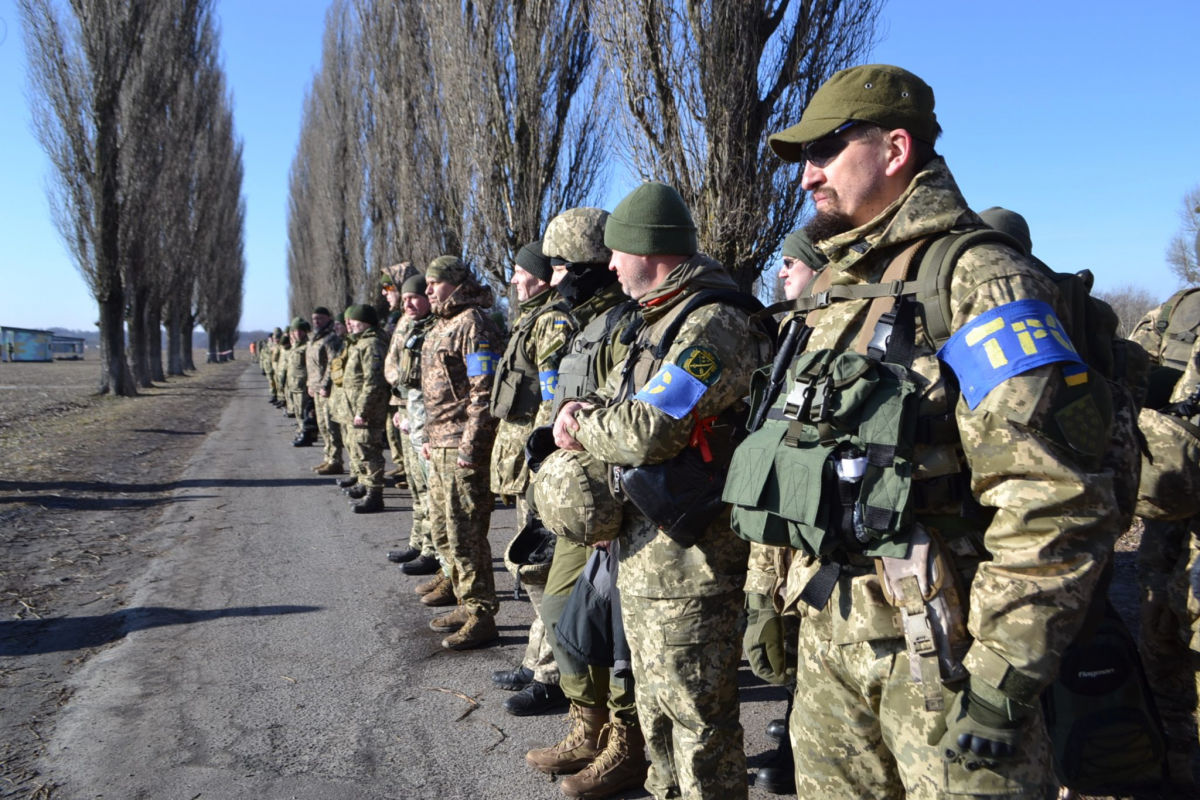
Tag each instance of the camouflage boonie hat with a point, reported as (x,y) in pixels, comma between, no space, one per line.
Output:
(570,493)
(887,96)
(391,277)
(1169,488)
(577,235)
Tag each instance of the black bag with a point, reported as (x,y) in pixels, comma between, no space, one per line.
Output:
(681,495)
(1104,727)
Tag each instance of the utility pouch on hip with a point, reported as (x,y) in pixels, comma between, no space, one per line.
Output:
(922,586)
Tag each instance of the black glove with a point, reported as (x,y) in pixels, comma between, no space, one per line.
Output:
(763,640)
(982,728)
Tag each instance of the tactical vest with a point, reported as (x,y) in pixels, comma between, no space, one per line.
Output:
(516,390)
(409,368)
(1178,325)
(828,467)
(577,369)
(337,364)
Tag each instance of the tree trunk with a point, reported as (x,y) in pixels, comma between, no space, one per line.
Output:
(154,341)
(139,354)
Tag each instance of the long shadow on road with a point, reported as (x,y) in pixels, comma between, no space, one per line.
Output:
(35,636)
(103,487)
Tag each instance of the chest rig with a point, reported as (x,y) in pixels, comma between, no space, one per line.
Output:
(409,367)
(516,392)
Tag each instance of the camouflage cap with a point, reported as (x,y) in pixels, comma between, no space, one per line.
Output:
(300,324)
(570,493)
(450,269)
(880,93)
(577,235)
(528,553)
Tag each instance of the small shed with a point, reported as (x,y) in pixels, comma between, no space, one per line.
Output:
(25,344)
(67,347)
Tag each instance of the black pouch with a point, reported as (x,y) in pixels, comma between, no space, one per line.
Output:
(681,495)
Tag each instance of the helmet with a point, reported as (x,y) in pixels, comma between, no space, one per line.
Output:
(577,235)
(571,495)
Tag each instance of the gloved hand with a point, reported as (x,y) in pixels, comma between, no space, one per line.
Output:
(979,726)
(763,640)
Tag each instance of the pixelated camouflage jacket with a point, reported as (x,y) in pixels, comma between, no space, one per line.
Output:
(297,368)
(716,346)
(458,361)
(529,364)
(362,378)
(322,346)
(1031,570)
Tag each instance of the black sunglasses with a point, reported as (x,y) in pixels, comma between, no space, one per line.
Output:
(827,148)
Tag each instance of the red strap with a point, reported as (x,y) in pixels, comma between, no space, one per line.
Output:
(699,438)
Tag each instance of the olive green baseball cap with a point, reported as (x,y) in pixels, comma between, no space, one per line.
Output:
(888,96)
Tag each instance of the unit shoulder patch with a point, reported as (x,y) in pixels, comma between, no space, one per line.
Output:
(701,363)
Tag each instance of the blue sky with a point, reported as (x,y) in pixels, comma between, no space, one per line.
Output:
(1080,115)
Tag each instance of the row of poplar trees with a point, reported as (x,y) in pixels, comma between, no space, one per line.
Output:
(464,126)
(130,103)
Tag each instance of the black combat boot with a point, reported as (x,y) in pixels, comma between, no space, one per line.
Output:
(346,482)
(356,492)
(424,565)
(371,502)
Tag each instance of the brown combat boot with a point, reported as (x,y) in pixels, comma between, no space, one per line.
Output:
(478,630)
(428,586)
(323,465)
(443,595)
(578,749)
(448,623)
(331,468)
(621,764)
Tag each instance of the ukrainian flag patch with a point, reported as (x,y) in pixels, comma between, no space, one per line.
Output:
(548,382)
(672,391)
(1006,342)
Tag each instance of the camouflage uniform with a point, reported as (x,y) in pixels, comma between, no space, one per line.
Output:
(402,372)
(1030,571)
(681,606)
(457,364)
(280,361)
(366,395)
(591,357)
(522,394)
(1169,573)
(323,346)
(298,383)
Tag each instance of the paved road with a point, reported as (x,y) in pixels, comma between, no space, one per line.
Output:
(275,653)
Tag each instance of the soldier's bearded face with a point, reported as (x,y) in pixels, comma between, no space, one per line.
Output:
(849,190)
(637,274)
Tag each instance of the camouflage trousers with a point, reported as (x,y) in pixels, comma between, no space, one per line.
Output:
(417,470)
(686,653)
(460,511)
(395,445)
(859,728)
(365,446)
(583,684)
(306,414)
(1169,636)
(539,657)
(330,429)
(339,410)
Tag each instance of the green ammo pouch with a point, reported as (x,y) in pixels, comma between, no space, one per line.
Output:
(831,466)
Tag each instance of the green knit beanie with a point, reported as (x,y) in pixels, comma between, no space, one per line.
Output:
(363,313)
(413,284)
(798,245)
(652,220)
(531,259)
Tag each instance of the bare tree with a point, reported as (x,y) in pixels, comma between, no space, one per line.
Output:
(79,65)
(702,84)
(1131,304)
(1183,253)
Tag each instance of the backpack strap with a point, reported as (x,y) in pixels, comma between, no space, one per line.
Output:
(873,337)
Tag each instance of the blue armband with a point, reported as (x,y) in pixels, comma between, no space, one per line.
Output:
(1008,341)
(672,391)
(548,381)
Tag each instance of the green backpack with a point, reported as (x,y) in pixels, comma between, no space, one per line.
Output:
(1178,325)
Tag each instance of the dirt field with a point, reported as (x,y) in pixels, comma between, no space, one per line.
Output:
(81,482)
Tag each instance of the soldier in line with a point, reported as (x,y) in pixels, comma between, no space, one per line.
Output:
(366,399)
(574,241)
(1169,554)
(280,362)
(457,365)
(522,393)
(339,408)
(681,592)
(389,286)
(402,369)
(770,638)
(297,371)
(1028,553)
(324,346)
